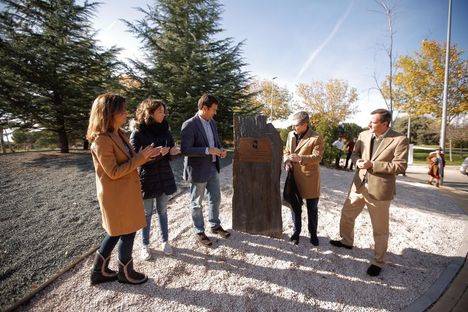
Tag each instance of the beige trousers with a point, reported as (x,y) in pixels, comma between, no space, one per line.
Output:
(379,214)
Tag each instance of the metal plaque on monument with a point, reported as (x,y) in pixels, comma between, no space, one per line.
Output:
(256,202)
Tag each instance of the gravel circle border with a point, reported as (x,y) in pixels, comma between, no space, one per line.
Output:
(422,303)
(29,296)
(433,294)
(91,251)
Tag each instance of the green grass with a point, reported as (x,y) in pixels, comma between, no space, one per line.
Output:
(419,157)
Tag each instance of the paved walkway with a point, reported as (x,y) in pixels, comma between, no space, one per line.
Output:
(455,297)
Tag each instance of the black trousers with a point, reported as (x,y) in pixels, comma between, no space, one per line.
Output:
(337,160)
(348,157)
(312,216)
(125,246)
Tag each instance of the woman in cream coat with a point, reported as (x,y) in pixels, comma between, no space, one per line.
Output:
(118,188)
(303,153)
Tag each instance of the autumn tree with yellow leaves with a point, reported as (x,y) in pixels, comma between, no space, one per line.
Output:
(334,99)
(419,82)
(271,99)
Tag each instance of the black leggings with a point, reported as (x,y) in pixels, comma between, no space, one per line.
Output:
(125,246)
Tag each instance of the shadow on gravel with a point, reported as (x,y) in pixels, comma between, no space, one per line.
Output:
(205,299)
(49,216)
(81,161)
(408,193)
(307,269)
(424,197)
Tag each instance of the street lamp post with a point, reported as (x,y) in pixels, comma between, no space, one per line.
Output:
(271,97)
(443,126)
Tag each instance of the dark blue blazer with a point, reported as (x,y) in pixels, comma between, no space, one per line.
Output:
(197,165)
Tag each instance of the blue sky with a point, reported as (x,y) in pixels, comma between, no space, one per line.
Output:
(306,40)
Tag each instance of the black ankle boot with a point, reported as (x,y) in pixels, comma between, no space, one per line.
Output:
(294,238)
(373,270)
(101,273)
(128,275)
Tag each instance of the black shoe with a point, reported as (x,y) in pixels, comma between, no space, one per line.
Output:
(374,270)
(220,231)
(202,238)
(314,241)
(101,273)
(339,244)
(294,239)
(128,275)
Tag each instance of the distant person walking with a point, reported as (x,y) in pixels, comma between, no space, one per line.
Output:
(156,176)
(118,188)
(338,144)
(349,151)
(436,163)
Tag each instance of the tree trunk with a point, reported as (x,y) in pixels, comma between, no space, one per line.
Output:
(63,140)
(408,134)
(2,143)
(85,144)
(256,202)
(450,149)
(61,129)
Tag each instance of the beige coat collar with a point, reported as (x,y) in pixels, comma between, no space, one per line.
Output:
(386,141)
(119,139)
(303,141)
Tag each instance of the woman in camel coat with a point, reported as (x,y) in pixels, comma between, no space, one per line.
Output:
(303,153)
(118,188)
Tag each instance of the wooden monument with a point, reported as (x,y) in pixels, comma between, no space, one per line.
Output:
(256,202)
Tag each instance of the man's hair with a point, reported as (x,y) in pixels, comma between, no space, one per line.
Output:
(385,115)
(300,117)
(207,100)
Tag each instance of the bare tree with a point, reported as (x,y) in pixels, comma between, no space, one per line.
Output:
(388,8)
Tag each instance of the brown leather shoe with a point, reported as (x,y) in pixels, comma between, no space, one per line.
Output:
(220,231)
(374,270)
(339,244)
(202,238)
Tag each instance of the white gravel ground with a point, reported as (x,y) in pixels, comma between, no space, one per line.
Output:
(256,273)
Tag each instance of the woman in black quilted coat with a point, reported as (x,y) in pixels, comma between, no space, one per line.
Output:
(156,177)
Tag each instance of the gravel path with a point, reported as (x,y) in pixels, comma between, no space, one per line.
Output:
(49,216)
(256,273)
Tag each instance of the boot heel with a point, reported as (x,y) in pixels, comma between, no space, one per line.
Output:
(128,275)
(100,272)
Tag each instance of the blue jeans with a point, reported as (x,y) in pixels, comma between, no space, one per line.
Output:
(125,246)
(197,192)
(161,206)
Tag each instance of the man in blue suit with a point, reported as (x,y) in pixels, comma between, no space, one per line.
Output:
(202,150)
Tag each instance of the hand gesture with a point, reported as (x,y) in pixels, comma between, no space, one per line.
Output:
(363,164)
(150,152)
(223,153)
(164,150)
(174,151)
(214,151)
(294,158)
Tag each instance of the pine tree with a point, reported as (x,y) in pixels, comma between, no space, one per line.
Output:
(51,67)
(185,58)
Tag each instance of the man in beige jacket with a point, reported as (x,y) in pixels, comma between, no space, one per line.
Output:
(380,154)
(302,155)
